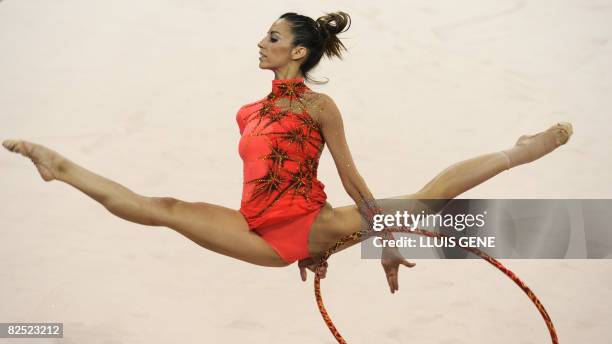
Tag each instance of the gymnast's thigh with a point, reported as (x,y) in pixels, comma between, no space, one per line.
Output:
(222,230)
(332,224)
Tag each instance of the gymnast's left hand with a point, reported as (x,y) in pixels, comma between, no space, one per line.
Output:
(312,264)
(391,259)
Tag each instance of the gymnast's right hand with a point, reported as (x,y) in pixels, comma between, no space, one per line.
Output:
(311,264)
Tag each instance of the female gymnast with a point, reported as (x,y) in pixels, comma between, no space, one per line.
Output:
(284,216)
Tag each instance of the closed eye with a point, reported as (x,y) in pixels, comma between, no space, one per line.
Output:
(272,38)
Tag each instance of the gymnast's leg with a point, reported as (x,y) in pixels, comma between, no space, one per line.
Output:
(464,175)
(448,184)
(214,227)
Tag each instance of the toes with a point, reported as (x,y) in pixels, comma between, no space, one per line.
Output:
(27,149)
(12,145)
(19,146)
(566,130)
(9,144)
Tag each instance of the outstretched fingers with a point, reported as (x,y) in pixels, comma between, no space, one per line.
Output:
(392,279)
(408,264)
(391,268)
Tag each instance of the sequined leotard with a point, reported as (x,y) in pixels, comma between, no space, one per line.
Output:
(280,146)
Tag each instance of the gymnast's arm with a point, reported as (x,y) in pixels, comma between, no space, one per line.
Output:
(333,131)
(332,127)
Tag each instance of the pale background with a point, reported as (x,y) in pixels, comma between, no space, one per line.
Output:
(146,92)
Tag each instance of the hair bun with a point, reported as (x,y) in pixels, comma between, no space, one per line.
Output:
(329,26)
(335,22)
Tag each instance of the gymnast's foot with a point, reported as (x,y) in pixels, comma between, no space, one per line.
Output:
(46,160)
(532,147)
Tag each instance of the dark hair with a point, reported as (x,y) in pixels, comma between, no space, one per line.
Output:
(318,36)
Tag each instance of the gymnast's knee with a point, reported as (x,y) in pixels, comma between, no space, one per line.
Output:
(167,202)
(161,209)
(433,192)
(430,200)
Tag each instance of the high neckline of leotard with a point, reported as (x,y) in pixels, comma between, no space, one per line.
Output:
(288,87)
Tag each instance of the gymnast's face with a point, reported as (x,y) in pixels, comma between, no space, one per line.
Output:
(276,50)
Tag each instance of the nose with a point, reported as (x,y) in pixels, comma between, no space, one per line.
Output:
(259,44)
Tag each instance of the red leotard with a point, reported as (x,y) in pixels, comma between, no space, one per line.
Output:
(280,147)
